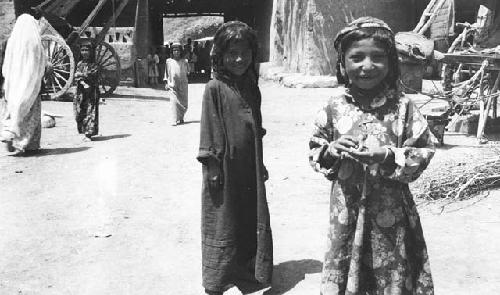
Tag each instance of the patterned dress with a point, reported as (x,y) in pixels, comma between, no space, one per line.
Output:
(86,102)
(375,240)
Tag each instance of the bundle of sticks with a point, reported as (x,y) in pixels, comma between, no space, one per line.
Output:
(460,180)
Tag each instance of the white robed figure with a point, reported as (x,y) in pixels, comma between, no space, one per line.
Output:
(176,83)
(23,69)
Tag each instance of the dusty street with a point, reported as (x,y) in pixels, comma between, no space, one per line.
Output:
(121,215)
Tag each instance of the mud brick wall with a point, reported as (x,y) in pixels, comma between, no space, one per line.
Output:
(302,32)
(7,18)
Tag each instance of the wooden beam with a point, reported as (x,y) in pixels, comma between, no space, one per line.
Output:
(473,60)
(100,37)
(91,16)
(60,8)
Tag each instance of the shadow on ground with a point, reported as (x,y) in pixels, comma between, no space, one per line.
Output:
(190,122)
(50,152)
(288,274)
(139,97)
(108,137)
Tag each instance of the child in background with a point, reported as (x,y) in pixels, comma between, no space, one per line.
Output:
(153,60)
(236,233)
(86,102)
(371,141)
(176,83)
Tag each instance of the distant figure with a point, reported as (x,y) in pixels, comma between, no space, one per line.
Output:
(176,83)
(3,44)
(162,57)
(153,61)
(23,68)
(236,231)
(86,102)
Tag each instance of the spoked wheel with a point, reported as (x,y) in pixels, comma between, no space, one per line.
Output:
(108,62)
(60,65)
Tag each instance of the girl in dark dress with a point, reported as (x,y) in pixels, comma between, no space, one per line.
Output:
(236,233)
(86,102)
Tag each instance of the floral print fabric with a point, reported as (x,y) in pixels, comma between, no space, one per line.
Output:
(86,101)
(375,240)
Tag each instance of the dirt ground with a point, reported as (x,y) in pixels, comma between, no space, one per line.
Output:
(121,215)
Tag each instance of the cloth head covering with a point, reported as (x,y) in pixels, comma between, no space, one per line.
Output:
(23,69)
(91,46)
(86,42)
(176,44)
(362,22)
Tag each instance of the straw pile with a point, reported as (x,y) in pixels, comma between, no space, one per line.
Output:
(462,178)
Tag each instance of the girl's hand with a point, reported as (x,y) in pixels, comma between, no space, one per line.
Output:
(372,156)
(345,143)
(215,178)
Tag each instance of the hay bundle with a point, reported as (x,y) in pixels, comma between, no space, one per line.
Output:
(461,180)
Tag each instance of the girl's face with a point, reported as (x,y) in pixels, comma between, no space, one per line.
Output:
(85,52)
(366,63)
(176,52)
(238,57)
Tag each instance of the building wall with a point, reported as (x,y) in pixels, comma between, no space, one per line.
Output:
(303,31)
(7,18)
(121,39)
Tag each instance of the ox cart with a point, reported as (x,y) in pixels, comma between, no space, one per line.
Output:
(61,41)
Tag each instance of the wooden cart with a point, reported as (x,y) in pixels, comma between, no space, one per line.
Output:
(486,78)
(62,47)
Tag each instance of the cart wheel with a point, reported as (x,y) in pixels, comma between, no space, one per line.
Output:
(108,62)
(60,66)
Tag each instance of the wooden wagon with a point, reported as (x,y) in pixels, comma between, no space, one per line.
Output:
(62,46)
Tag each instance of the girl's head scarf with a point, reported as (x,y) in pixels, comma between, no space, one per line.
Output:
(23,69)
(367,27)
(233,31)
(91,46)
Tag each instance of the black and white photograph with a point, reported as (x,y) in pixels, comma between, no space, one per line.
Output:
(257,147)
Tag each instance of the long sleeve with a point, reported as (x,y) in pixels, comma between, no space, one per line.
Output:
(165,73)
(263,131)
(212,140)
(323,134)
(417,150)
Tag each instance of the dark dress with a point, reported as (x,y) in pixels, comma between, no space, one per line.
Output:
(86,102)
(236,232)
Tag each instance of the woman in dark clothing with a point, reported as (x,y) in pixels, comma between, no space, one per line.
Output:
(86,102)
(236,233)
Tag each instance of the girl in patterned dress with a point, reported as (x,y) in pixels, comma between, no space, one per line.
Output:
(86,102)
(370,140)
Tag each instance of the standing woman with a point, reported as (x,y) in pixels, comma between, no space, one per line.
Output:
(176,82)
(23,70)
(86,102)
